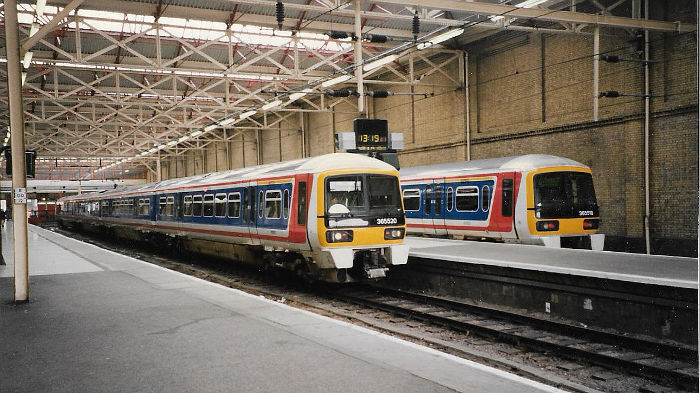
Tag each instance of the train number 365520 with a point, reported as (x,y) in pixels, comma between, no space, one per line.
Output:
(387,221)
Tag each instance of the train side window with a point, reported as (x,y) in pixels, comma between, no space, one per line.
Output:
(161,208)
(285,202)
(301,203)
(188,205)
(170,207)
(133,208)
(485,198)
(273,204)
(450,197)
(507,202)
(234,204)
(220,205)
(467,199)
(197,206)
(208,207)
(411,199)
(143,207)
(260,204)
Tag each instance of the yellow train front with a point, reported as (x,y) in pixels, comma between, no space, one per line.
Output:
(360,222)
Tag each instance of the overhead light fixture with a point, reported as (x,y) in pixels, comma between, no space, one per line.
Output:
(183,138)
(210,127)
(228,121)
(496,18)
(440,38)
(24,77)
(33,29)
(271,105)
(143,153)
(155,149)
(172,143)
(40,5)
(295,96)
(161,147)
(336,80)
(530,3)
(379,62)
(26,62)
(196,134)
(248,114)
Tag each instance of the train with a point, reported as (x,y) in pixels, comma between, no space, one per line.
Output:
(336,217)
(529,199)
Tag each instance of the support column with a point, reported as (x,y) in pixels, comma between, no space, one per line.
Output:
(19,173)
(159,176)
(358,60)
(596,63)
(647,202)
(467,129)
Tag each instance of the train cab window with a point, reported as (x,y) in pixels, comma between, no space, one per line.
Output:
(260,204)
(197,206)
(301,203)
(188,205)
(485,198)
(467,199)
(411,200)
(285,207)
(450,199)
(507,201)
(220,205)
(170,207)
(273,204)
(234,204)
(208,208)
(161,206)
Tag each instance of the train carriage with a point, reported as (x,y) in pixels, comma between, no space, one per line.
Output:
(531,199)
(337,217)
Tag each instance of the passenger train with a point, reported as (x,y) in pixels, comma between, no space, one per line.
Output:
(337,217)
(531,199)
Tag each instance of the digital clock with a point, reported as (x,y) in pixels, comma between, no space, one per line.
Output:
(371,133)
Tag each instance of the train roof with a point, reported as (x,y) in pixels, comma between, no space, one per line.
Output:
(513,163)
(326,162)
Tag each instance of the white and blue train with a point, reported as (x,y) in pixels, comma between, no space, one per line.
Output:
(337,217)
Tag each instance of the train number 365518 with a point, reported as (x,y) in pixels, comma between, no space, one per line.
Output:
(387,221)
(585,213)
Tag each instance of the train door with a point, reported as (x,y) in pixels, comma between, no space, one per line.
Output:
(428,202)
(508,202)
(439,206)
(250,214)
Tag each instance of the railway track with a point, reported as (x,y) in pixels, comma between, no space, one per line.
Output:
(454,326)
(663,362)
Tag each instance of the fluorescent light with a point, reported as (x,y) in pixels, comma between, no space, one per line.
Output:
(440,38)
(271,105)
(143,153)
(161,147)
(228,121)
(155,149)
(40,4)
(379,62)
(248,114)
(196,134)
(33,29)
(210,127)
(336,80)
(530,3)
(27,59)
(172,143)
(183,138)
(24,77)
(496,18)
(295,96)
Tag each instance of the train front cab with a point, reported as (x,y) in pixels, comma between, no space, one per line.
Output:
(360,224)
(559,202)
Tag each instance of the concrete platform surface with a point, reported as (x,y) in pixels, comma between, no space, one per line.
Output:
(649,269)
(102,322)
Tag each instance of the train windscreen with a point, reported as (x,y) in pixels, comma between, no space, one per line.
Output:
(564,195)
(364,196)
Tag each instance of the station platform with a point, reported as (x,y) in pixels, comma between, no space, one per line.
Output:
(100,321)
(668,271)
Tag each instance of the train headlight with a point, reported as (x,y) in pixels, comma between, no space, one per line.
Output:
(339,236)
(591,224)
(545,226)
(393,233)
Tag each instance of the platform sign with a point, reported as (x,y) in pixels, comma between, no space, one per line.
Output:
(20,195)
